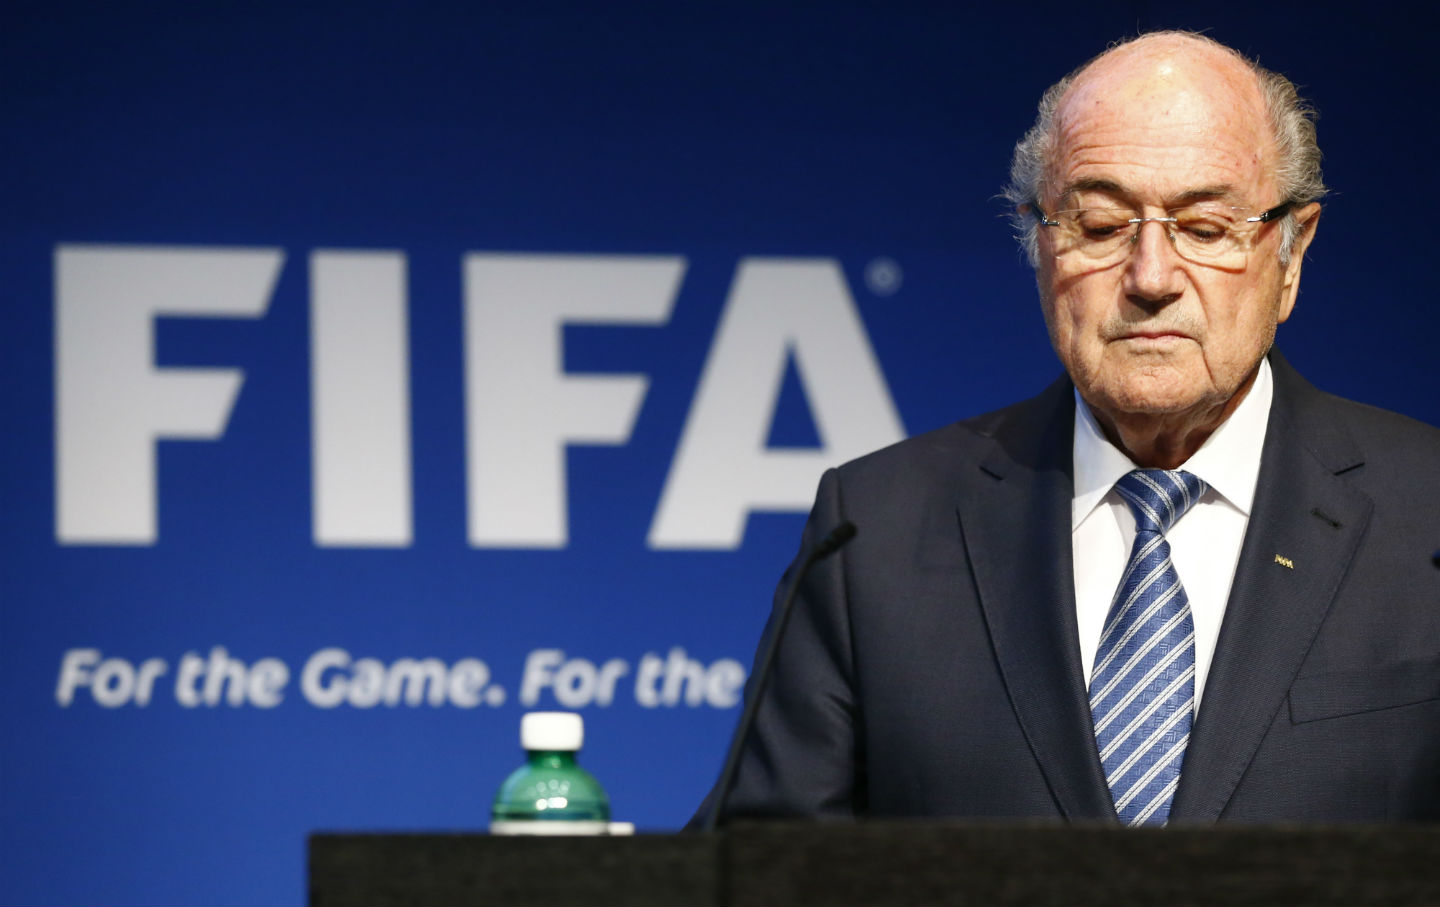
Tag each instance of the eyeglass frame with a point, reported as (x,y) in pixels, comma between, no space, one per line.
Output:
(1263,217)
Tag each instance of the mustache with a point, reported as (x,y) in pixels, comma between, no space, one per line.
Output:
(1168,323)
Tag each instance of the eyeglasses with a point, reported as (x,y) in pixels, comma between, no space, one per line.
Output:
(1219,236)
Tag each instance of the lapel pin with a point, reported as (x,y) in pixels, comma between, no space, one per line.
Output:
(1285,562)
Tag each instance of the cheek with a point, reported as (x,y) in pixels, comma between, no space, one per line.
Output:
(1078,307)
(1057,321)
(1257,305)
(1073,335)
(1242,321)
(1077,318)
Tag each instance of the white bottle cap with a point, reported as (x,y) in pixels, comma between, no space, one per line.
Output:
(552,731)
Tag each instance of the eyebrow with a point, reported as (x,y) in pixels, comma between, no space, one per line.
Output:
(1110,187)
(1205,193)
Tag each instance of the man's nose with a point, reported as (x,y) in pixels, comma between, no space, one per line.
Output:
(1153,273)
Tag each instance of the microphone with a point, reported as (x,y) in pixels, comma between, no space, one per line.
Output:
(827,546)
(837,539)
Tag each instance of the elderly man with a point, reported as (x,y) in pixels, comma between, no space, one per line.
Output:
(1179,585)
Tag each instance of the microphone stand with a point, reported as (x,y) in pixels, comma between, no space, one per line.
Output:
(827,546)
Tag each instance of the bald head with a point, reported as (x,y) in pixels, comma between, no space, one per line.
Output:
(1160,108)
(1164,63)
(1169,87)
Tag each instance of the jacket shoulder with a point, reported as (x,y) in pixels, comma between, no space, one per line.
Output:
(1373,424)
(1396,448)
(1030,432)
(1348,437)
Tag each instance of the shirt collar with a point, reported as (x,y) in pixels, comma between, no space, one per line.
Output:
(1228,461)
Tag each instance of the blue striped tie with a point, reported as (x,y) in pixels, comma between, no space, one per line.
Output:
(1142,690)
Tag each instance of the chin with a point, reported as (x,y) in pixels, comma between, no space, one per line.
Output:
(1154,395)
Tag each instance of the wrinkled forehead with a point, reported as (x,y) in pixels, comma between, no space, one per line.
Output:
(1165,119)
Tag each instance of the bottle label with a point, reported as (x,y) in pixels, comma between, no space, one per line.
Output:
(548,827)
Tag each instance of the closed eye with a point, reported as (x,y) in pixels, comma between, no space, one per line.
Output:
(1203,230)
(1098,224)
(1102,231)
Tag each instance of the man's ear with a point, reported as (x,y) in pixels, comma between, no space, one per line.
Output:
(1309,219)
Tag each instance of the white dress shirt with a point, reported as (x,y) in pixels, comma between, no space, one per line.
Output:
(1204,543)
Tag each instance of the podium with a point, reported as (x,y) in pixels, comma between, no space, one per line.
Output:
(878,863)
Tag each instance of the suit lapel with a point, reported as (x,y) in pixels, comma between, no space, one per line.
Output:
(1304,528)
(1015,517)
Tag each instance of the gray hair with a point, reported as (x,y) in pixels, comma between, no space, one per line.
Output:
(1291,118)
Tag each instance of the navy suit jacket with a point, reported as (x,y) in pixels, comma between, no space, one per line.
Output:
(932,667)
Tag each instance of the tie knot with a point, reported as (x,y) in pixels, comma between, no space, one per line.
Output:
(1159,497)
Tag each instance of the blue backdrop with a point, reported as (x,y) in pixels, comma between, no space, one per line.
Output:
(321,271)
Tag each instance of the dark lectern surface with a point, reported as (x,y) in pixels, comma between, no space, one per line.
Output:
(1005,864)
(476,869)
(888,863)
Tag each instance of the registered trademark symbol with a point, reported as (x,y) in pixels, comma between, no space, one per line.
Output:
(883,276)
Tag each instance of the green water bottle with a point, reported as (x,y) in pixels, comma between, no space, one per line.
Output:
(550,794)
